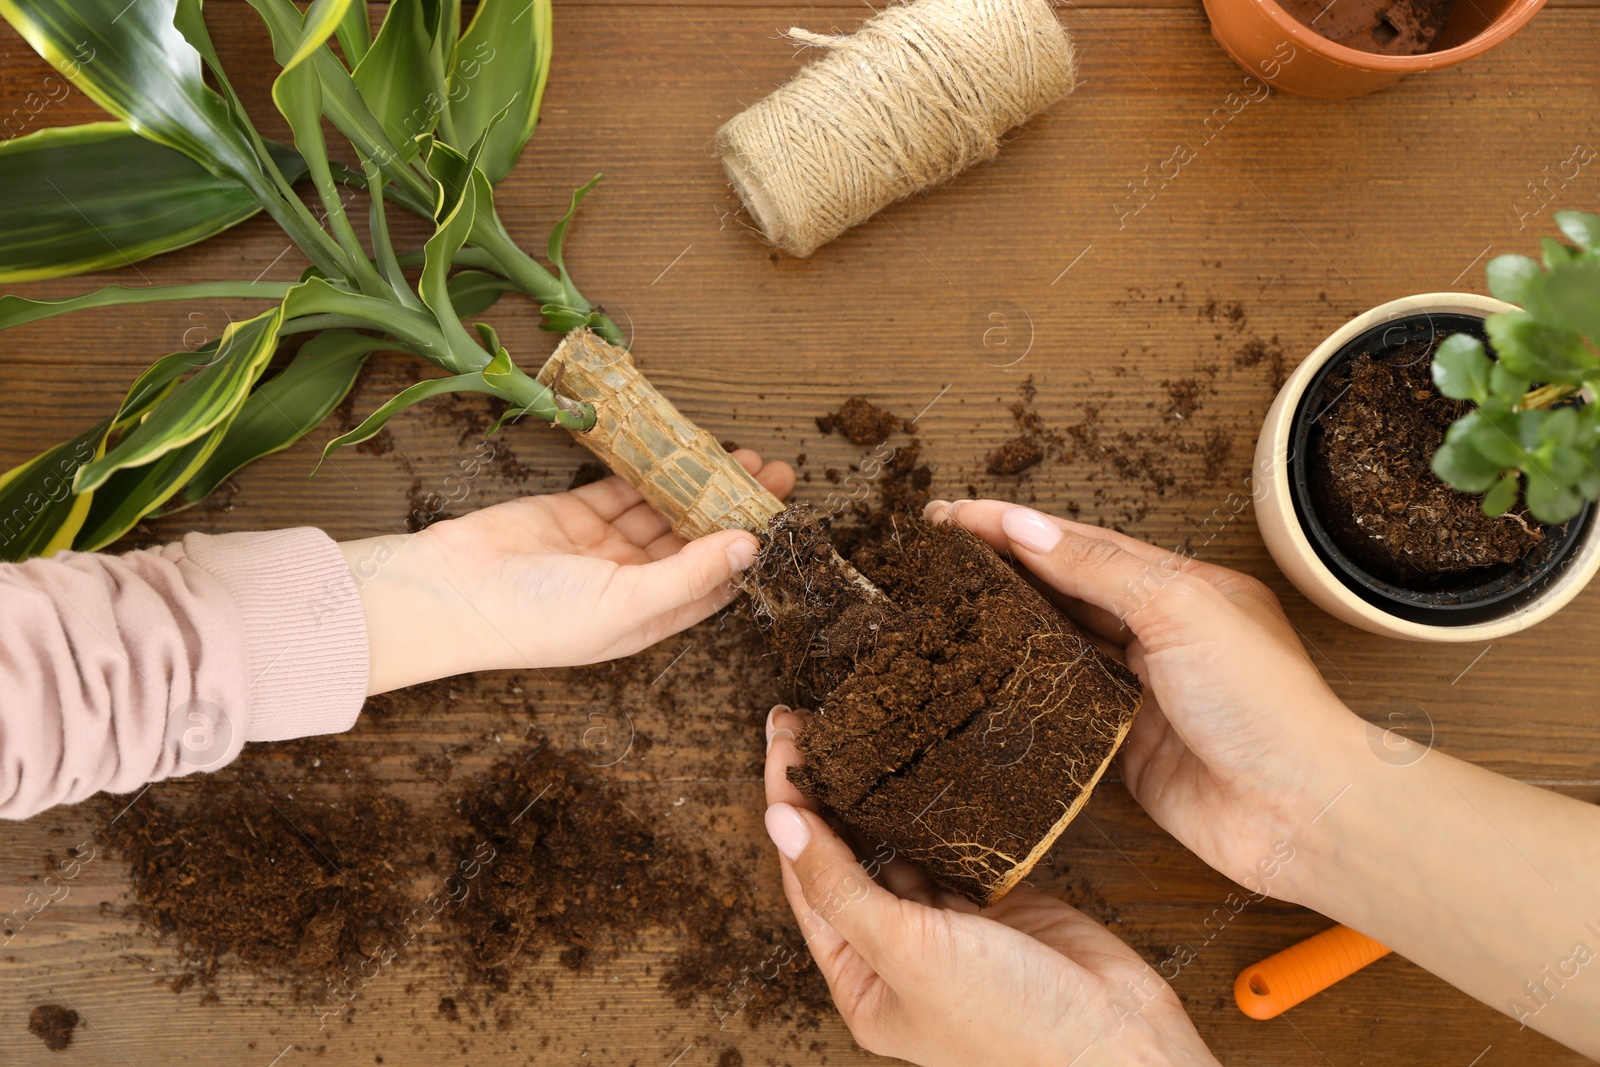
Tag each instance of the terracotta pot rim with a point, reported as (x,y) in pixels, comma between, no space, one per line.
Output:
(1514,18)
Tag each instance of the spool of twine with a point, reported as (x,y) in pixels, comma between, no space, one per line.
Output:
(918,94)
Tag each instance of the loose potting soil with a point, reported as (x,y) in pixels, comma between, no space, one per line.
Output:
(1375,490)
(325,883)
(1385,27)
(53,1024)
(862,423)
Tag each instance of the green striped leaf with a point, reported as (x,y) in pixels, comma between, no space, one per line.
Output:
(288,405)
(458,383)
(16,310)
(99,196)
(437,254)
(38,518)
(208,398)
(355,32)
(131,60)
(402,77)
(321,20)
(558,237)
(472,292)
(130,493)
(39,512)
(500,64)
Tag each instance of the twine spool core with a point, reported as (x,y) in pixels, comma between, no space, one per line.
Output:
(919,93)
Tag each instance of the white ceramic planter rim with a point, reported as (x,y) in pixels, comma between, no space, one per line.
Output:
(1290,547)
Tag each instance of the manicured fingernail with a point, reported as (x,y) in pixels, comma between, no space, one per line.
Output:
(1030,529)
(775,709)
(742,553)
(934,510)
(787,830)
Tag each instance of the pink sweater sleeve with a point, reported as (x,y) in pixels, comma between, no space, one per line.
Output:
(121,670)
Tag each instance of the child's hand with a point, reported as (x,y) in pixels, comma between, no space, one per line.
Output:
(920,975)
(1240,742)
(543,581)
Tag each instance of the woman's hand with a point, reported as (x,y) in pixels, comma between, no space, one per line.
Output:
(1240,744)
(543,581)
(919,975)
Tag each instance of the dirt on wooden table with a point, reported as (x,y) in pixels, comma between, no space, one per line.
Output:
(1081,258)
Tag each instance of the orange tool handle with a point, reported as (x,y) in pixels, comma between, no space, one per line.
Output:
(1279,982)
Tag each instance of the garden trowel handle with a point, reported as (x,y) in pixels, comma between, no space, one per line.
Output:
(1268,989)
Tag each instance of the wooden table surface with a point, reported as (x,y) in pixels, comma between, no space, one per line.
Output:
(1292,216)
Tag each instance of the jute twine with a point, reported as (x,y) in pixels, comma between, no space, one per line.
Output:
(918,94)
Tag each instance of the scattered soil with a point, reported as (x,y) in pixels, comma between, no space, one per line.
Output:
(1255,352)
(293,885)
(1015,456)
(53,1024)
(1184,397)
(1373,485)
(959,718)
(589,471)
(297,865)
(1385,27)
(1036,442)
(862,423)
(379,444)
(568,865)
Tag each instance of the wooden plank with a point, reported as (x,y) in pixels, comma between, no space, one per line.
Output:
(1300,212)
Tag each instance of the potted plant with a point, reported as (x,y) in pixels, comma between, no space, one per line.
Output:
(1315,48)
(1372,461)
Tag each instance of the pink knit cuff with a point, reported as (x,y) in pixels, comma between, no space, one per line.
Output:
(304,630)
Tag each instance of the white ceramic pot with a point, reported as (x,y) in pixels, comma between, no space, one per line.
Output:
(1292,548)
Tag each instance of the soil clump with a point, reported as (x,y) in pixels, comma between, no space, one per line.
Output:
(53,1024)
(959,718)
(862,423)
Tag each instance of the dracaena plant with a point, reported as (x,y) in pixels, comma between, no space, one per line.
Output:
(433,115)
(1534,429)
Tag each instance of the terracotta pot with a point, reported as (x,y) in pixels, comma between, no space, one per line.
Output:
(1337,588)
(1273,45)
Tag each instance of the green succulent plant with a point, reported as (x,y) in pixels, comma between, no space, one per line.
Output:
(433,114)
(1534,429)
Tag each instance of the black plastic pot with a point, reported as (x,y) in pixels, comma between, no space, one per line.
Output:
(1454,600)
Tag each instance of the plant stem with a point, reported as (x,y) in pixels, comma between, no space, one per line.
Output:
(534,398)
(382,247)
(528,274)
(16,310)
(1547,396)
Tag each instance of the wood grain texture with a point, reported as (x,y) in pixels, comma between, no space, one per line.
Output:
(1300,213)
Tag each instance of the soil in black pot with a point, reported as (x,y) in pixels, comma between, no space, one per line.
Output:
(1384,27)
(963,721)
(1374,488)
